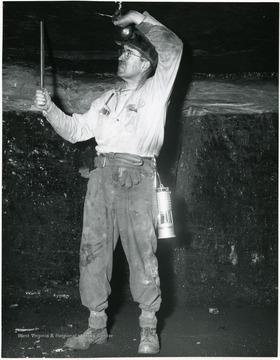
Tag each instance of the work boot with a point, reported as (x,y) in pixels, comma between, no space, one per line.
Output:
(89,337)
(149,343)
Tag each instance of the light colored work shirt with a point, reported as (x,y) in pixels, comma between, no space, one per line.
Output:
(129,120)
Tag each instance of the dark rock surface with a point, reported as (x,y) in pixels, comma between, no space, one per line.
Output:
(219,157)
(222,37)
(225,209)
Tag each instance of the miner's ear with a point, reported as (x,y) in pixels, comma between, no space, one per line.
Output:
(146,65)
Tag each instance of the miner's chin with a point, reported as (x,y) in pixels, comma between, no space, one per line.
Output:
(120,72)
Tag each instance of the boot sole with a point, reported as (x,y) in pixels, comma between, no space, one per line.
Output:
(148,352)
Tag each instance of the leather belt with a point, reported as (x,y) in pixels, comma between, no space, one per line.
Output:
(123,159)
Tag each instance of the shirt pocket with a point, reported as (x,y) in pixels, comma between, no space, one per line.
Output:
(131,116)
(103,115)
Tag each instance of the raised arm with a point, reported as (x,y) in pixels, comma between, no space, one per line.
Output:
(167,44)
(73,128)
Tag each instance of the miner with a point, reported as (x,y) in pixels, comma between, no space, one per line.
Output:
(127,123)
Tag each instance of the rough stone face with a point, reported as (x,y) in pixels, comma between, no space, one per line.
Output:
(220,162)
(219,157)
(226,201)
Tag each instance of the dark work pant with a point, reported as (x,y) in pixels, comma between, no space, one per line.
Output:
(110,211)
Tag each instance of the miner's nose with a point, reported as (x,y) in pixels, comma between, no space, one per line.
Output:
(121,54)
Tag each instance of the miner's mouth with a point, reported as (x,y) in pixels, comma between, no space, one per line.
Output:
(121,64)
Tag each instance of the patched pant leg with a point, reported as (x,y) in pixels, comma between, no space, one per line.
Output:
(99,238)
(136,213)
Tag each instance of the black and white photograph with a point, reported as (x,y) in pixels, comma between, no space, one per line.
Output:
(140,179)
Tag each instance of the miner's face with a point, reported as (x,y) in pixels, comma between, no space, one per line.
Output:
(130,63)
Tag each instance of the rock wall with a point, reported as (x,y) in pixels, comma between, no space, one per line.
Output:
(224,203)
(220,160)
(226,206)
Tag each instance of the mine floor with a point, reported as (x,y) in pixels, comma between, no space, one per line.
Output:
(38,328)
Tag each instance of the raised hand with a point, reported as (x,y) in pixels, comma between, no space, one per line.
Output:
(42,99)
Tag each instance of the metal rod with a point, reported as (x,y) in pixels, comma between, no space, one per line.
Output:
(110,16)
(42,53)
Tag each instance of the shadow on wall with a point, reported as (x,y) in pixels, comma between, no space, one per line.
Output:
(169,157)
(167,166)
(170,151)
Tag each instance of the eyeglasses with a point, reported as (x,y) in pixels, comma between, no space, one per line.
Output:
(127,53)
